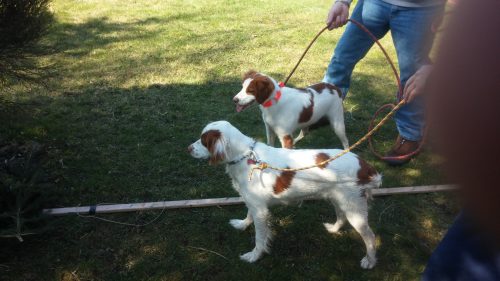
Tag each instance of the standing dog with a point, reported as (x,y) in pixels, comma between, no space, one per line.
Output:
(284,109)
(345,182)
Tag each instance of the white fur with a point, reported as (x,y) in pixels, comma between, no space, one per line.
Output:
(337,183)
(282,118)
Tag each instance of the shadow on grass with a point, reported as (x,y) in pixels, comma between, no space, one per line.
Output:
(79,39)
(168,47)
(128,144)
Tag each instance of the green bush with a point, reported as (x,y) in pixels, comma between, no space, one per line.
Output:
(23,184)
(22,21)
(22,24)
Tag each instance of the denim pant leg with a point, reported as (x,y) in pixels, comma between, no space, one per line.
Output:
(355,43)
(411,33)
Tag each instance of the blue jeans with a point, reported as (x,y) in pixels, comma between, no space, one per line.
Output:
(411,33)
(464,254)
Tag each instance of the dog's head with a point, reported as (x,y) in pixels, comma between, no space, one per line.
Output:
(257,87)
(213,143)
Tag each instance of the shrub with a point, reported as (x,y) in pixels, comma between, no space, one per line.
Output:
(22,23)
(22,183)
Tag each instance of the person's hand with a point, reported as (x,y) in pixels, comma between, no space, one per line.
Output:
(338,15)
(415,85)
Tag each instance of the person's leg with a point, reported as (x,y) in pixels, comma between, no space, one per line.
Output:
(464,253)
(355,43)
(411,33)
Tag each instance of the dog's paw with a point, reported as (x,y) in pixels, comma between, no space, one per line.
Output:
(368,263)
(251,256)
(239,224)
(332,228)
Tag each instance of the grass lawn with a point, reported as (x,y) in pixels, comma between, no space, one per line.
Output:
(134,83)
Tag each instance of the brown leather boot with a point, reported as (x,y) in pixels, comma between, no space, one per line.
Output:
(401,149)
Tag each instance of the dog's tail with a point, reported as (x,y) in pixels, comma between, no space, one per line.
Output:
(375,182)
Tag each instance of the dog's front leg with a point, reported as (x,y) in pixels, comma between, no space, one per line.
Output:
(242,224)
(262,235)
(271,136)
(286,141)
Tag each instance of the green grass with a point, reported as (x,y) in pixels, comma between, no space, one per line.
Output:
(135,82)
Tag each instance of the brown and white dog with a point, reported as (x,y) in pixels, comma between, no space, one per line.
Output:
(345,182)
(285,110)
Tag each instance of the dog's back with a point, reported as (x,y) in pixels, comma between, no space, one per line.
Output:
(347,172)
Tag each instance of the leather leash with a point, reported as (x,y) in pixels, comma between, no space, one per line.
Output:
(383,107)
(372,127)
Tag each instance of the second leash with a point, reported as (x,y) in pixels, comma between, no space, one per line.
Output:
(372,129)
(263,165)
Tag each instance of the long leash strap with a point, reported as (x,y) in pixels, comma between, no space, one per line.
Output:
(371,129)
(383,107)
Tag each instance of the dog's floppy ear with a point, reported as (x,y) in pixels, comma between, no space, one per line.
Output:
(261,87)
(250,74)
(215,144)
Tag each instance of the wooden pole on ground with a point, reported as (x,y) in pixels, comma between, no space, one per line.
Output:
(163,205)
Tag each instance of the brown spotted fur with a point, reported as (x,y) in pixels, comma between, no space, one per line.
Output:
(307,112)
(320,157)
(261,87)
(209,139)
(321,86)
(288,141)
(250,74)
(365,172)
(283,181)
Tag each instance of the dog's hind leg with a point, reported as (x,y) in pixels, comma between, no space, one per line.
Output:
(262,235)
(336,118)
(242,224)
(341,219)
(302,134)
(357,215)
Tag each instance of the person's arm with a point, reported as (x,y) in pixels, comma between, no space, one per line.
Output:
(338,14)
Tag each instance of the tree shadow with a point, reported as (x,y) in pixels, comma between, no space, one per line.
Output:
(79,39)
(89,42)
(128,145)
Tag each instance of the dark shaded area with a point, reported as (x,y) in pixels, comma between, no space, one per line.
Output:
(24,189)
(79,39)
(22,24)
(128,145)
(467,126)
(23,21)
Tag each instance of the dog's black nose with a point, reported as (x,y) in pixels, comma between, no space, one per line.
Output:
(236,100)
(190,148)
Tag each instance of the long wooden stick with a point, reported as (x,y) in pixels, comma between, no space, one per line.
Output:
(412,189)
(162,205)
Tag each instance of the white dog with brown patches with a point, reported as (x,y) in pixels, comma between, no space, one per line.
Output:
(345,182)
(285,110)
